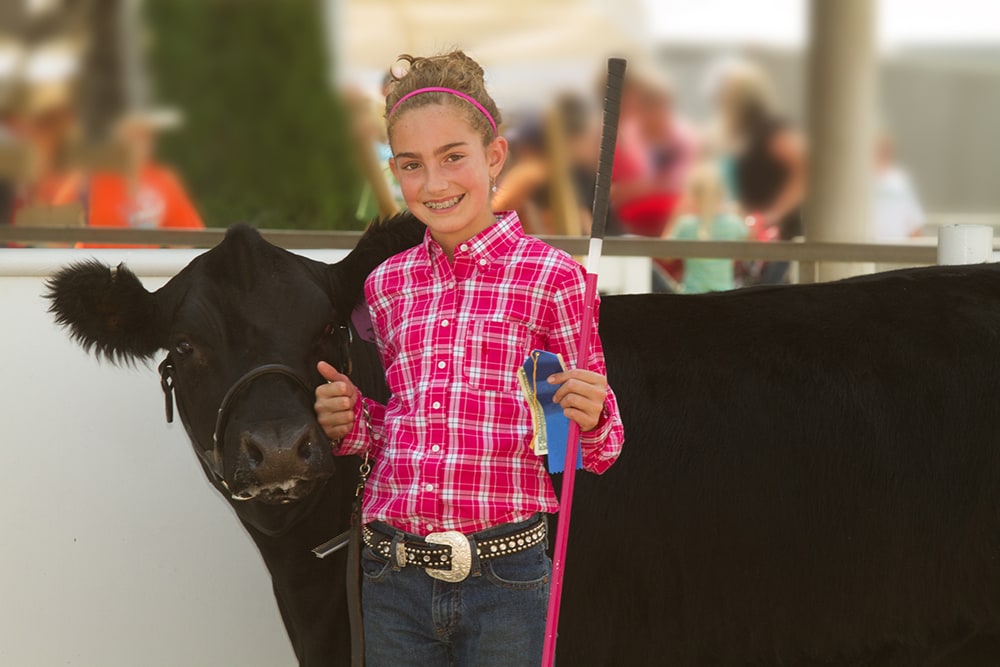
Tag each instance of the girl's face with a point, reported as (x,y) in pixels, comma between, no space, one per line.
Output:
(445,171)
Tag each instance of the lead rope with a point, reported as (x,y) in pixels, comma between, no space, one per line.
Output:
(354,609)
(351,538)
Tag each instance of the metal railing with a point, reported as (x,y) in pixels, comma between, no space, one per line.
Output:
(805,256)
(794,251)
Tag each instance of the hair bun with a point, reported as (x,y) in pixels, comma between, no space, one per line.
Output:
(455,70)
(460,58)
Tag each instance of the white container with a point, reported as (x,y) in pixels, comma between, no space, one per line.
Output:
(965,244)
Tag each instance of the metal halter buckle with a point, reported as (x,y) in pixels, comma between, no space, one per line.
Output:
(461,556)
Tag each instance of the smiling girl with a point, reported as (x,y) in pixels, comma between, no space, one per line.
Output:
(455,570)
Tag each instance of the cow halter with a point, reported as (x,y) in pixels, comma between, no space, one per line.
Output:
(211,457)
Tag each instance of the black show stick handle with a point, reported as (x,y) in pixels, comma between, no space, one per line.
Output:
(609,138)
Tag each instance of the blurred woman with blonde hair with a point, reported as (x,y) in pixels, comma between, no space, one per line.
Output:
(763,154)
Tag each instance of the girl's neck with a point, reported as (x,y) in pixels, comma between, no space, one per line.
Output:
(449,242)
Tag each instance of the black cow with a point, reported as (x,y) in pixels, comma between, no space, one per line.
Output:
(248,306)
(811,474)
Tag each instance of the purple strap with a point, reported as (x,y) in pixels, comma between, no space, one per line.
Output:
(450,91)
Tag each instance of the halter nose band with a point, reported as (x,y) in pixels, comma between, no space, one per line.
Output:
(450,91)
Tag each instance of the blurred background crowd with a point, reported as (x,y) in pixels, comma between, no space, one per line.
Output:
(185,113)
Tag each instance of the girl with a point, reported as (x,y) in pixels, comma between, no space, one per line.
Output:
(706,192)
(454,560)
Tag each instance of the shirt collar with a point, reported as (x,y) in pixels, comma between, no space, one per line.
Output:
(485,247)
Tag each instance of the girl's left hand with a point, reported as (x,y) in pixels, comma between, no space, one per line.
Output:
(581,396)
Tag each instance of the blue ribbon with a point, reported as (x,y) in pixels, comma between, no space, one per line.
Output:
(553,427)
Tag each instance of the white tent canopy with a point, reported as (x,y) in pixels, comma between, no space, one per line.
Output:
(530,48)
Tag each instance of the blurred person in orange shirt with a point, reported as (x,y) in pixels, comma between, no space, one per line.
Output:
(46,120)
(145,195)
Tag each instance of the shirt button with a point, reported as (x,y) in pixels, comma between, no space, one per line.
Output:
(444,323)
(482,262)
(430,527)
(436,448)
(463,247)
(436,405)
(428,487)
(441,364)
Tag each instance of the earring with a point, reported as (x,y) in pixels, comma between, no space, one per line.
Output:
(493,184)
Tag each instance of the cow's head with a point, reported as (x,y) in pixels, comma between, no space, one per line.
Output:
(243,327)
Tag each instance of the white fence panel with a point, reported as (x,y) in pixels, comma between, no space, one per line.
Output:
(115,550)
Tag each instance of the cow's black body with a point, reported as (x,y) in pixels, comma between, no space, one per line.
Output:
(810,477)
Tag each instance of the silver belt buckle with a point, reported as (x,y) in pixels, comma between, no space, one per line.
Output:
(461,556)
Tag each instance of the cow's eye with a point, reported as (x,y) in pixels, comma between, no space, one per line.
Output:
(184,348)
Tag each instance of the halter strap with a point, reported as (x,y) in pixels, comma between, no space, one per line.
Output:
(211,456)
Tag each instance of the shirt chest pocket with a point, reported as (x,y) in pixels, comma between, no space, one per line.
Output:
(493,352)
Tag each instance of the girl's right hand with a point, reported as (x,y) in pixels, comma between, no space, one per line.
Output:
(335,403)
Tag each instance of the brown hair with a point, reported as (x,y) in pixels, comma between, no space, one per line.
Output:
(451,70)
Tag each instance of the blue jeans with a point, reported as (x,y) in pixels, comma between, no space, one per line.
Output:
(496,617)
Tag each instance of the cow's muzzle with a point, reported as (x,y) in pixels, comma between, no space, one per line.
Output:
(276,467)
(280,461)
(280,494)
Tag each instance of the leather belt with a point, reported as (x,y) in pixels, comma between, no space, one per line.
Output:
(447,555)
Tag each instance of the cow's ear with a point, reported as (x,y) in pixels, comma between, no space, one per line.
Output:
(106,310)
(382,240)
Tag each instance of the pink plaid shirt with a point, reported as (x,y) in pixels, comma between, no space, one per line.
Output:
(451,449)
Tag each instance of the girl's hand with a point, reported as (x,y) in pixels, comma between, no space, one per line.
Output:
(335,403)
(581,396)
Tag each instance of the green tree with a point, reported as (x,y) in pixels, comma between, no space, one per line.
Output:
(264,139)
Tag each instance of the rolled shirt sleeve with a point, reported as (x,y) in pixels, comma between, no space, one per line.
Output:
(361,439)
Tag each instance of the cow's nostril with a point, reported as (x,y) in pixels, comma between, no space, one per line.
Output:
(305,447)
(254,453)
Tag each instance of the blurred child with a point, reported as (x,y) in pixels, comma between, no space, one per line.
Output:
(710,222)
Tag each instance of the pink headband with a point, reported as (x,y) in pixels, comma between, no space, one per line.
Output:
(450,91)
